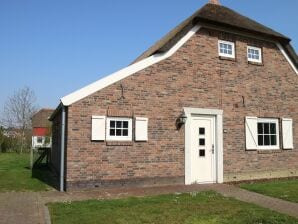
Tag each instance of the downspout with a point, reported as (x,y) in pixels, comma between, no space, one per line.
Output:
(62,149)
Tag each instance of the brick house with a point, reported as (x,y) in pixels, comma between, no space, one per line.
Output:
(216,100)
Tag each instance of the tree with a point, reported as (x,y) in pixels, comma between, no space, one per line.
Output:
(18,110)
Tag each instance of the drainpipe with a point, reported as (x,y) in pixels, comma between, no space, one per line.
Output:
(62,149)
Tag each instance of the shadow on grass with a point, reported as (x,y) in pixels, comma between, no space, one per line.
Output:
(43,173)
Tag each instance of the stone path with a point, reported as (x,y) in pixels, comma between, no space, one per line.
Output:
(29,207)
(21,208)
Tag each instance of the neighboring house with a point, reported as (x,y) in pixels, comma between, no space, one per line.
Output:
(41,129)
(216,100)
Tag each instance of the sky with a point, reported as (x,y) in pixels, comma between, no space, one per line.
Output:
(56,47)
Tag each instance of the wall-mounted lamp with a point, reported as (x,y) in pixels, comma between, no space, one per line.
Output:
(181,120)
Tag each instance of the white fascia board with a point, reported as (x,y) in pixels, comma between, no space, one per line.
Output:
(123,73)
(287,57)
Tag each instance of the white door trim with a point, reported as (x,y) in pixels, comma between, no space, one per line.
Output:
(218,114)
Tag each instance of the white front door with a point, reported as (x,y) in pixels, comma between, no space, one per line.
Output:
(203,168)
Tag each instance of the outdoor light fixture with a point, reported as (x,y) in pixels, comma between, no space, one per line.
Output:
(182,119)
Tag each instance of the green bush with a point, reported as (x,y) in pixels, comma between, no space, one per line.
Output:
(14,143)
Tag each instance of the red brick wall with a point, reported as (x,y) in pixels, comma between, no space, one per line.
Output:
(193,77)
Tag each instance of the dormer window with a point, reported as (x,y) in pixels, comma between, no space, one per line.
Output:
(254,54)
(226,49)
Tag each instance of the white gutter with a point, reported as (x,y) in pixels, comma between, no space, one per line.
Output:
(62,149)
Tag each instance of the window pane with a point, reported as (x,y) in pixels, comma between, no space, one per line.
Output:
(273,139)
(260,140)
(260,128)
(266,128)
(202,142)
(39,139)
(202,131)
(125,132)
(118,132)
(272,128)
(112,132)
(202,152)
(119,124)
(112,124)
(266,139)
(125,124)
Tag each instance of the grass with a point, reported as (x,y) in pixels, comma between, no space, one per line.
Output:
(283,189)
(15,174)
(200,208)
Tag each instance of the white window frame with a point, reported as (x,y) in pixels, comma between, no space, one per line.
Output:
(271,147)
(223,54)
(256,49)
(119,138)
(39,138)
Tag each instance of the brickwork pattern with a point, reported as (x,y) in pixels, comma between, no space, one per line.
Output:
(193,77)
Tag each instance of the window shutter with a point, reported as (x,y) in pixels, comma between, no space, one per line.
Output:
(287,133)
(98,128)
(141,129)
(251,133)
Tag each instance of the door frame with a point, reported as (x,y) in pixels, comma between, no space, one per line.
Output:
(218,115)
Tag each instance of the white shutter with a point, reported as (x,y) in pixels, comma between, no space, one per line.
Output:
(287,133)
(98,132)
(141,129)
(251,133)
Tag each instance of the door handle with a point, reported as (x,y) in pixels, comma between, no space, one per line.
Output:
(212,148)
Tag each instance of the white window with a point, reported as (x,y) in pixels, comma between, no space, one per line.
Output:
(262,133)
(268,133)
(119,129)
(226,49)
(39,140)
(254,54)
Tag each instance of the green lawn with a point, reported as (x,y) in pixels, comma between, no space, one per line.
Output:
(200,208)
(283,189)
(16,176)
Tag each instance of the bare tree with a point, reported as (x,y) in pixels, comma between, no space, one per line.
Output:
(18,111)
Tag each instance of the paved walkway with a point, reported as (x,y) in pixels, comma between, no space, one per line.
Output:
(275,204)
(21,208)
(30,207)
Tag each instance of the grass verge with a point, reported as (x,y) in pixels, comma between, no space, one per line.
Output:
(199,208)
(15,174)
(283,189)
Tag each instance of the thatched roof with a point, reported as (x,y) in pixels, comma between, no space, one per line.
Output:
(220,16)
(41,118)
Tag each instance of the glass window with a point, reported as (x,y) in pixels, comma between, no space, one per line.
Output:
(267,133)
(226,49)
(202,131)
(254,54)
(39,140)
(119,129)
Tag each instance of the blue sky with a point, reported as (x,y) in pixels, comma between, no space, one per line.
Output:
(58,46)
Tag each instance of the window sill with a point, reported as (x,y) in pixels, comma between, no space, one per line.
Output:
(227,58)
(119,143)
(255,63)
(269,151)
